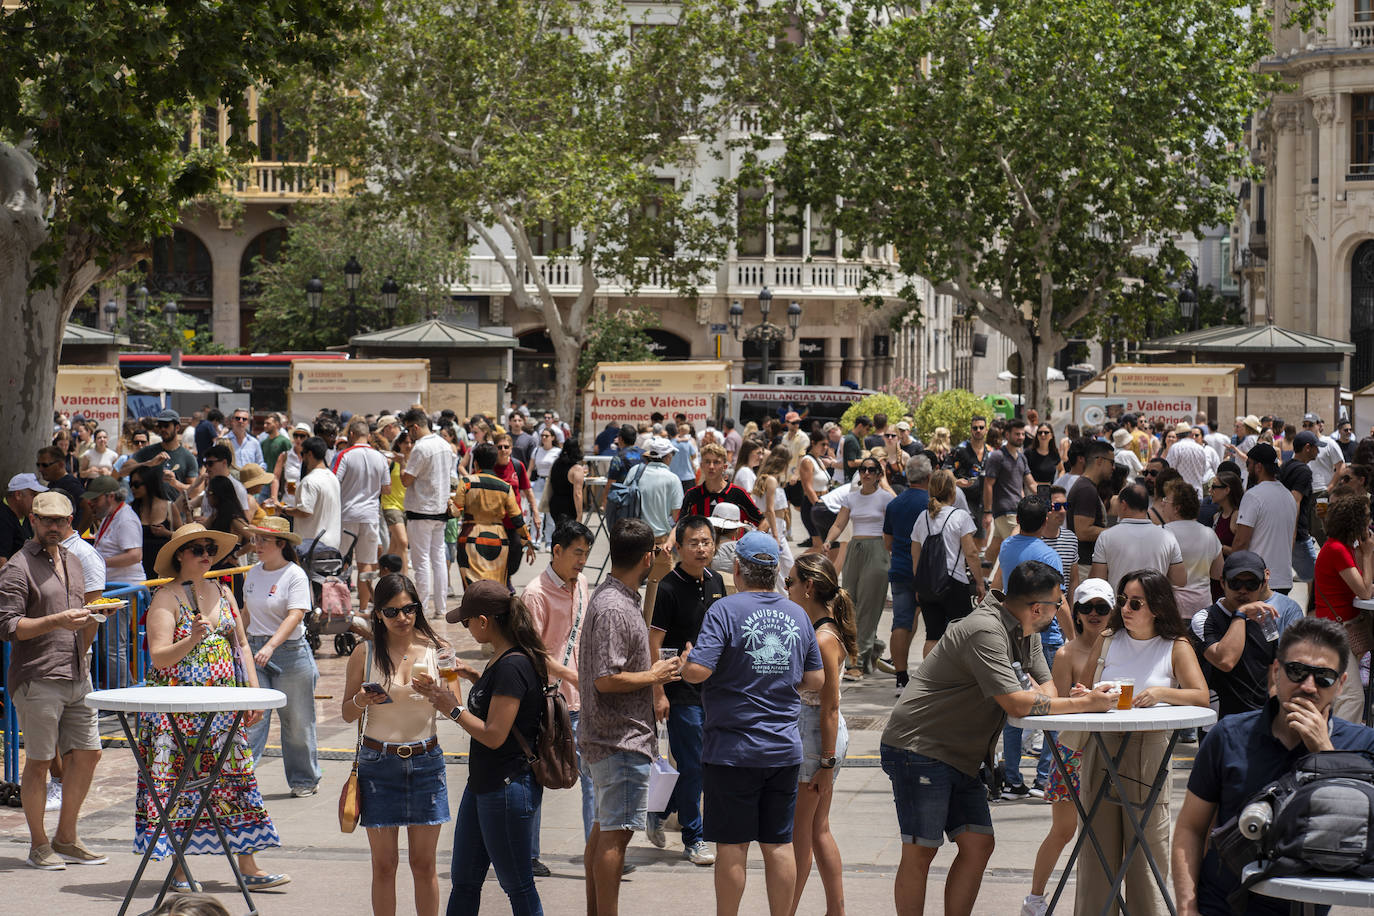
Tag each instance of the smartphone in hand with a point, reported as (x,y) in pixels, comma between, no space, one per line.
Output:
(376,690)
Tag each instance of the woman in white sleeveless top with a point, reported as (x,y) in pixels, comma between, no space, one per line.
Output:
(1146,641)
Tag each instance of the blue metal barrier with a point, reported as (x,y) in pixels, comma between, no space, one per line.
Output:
(11,731)
(120,653)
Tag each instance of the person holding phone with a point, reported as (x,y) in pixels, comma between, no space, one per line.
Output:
(400,765)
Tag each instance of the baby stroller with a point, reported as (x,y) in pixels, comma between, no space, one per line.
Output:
(329,570)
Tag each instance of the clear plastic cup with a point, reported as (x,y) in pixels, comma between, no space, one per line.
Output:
(1269,626)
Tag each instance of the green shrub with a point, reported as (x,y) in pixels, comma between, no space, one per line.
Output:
(951,409)
(872,405)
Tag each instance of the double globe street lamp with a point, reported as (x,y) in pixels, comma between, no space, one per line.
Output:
(765,334)
(353,276)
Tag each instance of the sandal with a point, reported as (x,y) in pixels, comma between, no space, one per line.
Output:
(853,675)
(262,882)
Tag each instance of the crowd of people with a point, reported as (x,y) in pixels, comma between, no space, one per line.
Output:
(1044,573)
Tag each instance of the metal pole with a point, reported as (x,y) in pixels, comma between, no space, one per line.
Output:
(767,345)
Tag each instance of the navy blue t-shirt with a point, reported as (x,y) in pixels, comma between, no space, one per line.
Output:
(757,645)
(1238,758)
(898,520)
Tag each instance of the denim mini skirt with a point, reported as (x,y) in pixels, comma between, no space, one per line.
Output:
(402,791)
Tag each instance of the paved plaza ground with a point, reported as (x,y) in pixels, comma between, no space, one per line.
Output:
(330,870)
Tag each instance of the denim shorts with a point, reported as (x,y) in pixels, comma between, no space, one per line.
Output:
(903,605)
(811,743)
(621,782)
(934,798)
(402,791)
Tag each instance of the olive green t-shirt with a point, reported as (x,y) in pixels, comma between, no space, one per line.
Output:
(947,712)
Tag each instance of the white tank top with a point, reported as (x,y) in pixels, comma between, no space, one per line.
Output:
(1150,662)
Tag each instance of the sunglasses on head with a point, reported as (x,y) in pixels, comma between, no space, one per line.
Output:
(1246,584)
(411,610)
(1297,673)
(210,549)
(1134,604)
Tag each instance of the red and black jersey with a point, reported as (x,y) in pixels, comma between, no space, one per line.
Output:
(700,501)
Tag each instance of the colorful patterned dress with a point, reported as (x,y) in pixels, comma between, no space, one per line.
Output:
(492,527)
(235,797)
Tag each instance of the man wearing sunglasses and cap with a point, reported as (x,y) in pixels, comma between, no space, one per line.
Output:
(1247,751)
(1235,635)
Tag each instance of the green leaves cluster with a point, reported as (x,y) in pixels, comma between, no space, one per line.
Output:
(889,405)
(148,327)
(419,255)
(616,337)
(953,409)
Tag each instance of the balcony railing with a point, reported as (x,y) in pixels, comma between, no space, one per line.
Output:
(743,275)
(1362,31)
(281,179)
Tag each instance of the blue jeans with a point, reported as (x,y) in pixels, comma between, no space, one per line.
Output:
(496,829)
(584,782)
(296,678)
(685,725)
(1011,745)
(1305,559)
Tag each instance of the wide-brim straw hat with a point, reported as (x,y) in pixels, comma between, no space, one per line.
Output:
(252,475)
(194,531)
(274,526)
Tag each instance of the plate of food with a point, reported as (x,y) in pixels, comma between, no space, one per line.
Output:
(101,608)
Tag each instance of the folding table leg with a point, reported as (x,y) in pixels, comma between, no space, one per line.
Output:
(1085,818)
(1136,819)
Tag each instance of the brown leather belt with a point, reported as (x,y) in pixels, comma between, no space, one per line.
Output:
(401,750)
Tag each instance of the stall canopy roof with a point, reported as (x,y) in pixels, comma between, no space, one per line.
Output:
(165,379)
(437,334)
(81,335)
(1264,338)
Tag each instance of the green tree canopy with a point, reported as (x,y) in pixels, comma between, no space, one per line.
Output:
(551,128)
(616,337)
(1033,159)
(95,99)
(321,237)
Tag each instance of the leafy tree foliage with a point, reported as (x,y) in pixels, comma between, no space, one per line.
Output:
(321,237)
(616,337)
(1023,155)
(95,98)
(953,409)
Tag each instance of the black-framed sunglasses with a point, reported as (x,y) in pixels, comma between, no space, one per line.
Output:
(1297,672)
(210,550)
(413,609)
(1151,473)
(1134,604)
(870,469)
(1246,584)
(1058,507)
(1220,486)
(1093,609)
(977,429)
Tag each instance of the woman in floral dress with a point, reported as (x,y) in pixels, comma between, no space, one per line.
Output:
(193,629)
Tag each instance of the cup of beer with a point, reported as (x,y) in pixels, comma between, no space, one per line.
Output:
(1126,686)
(448,665)
(291,487)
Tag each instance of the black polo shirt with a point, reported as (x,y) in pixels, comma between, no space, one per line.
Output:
(14,531)
(969,466)
(678,611)
(700,501)
(1238,758)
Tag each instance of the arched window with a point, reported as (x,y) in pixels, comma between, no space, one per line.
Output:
(1362,315)
(264,249)
(181,267)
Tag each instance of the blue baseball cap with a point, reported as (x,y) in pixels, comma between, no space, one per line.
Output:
(757,548)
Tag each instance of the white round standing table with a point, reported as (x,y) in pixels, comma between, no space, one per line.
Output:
(206,701)
(1314,891)
(1123,722)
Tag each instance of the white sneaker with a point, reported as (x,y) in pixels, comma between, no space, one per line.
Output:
(653,829)
(1034,905)
(54,802)
(699,854)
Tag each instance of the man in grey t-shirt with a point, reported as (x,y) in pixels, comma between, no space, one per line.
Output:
(1006,478)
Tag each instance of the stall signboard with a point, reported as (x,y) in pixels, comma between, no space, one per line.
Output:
(1094,411)
(1172,381)
(634,392)
(359,385)
(95,392)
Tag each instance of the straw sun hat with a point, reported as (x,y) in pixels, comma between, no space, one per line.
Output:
(185,535)
(274,526)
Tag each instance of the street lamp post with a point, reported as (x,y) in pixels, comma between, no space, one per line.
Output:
(169,311)
(765,333)
(111,314)
(314,295)
(390,291)
(353,276)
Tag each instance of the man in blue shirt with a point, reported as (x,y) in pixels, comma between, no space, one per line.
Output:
(1245,752)
(1032,515)
(898,520)
(755,650)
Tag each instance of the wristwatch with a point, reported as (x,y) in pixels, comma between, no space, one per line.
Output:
(829,763)
(456,711)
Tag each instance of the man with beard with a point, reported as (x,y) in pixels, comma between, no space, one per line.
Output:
(948,721)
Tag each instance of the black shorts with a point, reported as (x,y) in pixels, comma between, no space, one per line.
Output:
(748,804)
(939,613)
(821,519)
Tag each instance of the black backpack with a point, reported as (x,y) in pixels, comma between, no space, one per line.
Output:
(1317,819)
(932,577)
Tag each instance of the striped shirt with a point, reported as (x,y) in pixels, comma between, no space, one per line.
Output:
(1066,545)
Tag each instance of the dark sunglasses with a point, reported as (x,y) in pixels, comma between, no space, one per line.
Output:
(869,469)
(409,609)
(1243,585)
(1297,673)
(978,429)
(1134,604)
(48,464)
(1151,473)
(1220,486)
(1093,609)
(889,435)
(1058,507)
(210,550)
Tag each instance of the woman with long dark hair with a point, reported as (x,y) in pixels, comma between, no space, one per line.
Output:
(1042,456)
(400,766)
(157,514)
(1226,491)
(815,585)
(497,816)
(1344,573)
(1147,642)
(565,483)
(229,517)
